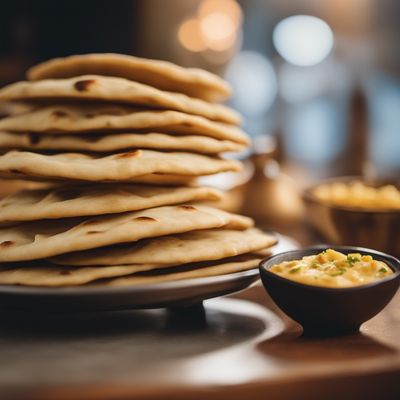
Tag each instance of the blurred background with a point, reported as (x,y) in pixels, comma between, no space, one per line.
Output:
(318,82)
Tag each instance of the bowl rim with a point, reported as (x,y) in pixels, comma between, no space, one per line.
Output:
(309,195)
(393,263)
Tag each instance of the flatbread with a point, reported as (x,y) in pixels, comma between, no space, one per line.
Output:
(50,275)
(191,271)
(115,90)
(160,74)
(116,167)
(116,142)
(150,179)
(8,109)
(184,248)
(83,200)
(86,118)
(44,239)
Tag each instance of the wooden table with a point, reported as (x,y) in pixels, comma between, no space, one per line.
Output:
(243,347)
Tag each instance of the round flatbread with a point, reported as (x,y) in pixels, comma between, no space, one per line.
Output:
(83,200)
(159,74)
(8,109)
(86,118)
(50,275)
(117,167)
(189,271)
(150,179)
(184,248)
(116,142)
(44,239)
(115,90)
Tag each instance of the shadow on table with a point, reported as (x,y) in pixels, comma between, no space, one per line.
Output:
(292,346)
(74,348)
(167,322)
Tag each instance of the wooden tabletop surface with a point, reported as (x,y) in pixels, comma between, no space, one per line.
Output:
(242,347)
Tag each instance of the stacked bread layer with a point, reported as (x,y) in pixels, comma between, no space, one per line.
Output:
(121,143)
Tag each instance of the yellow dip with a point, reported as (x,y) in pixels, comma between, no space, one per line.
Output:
(333,269)
(358,194)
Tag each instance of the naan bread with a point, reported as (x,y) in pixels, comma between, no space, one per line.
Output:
(116,142)
(84,200)
(44,239)
(191,271)
(102,118)
(116,167)
(184,248)
(159,74)
(115,90)
(50,275)
(7,109)
(45,274)
(150,179)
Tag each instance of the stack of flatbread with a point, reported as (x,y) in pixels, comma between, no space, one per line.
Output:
(121,140)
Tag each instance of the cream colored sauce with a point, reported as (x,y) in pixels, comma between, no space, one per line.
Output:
(333,269)
(360,195)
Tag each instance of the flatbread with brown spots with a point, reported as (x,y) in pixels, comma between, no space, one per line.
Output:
(115,90)
(159,74)
(44,239)
(116,142)
(188,247)
(102,118)
(122,167)
(83,200)
(50,275)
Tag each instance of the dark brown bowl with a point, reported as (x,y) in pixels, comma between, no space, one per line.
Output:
(329,311)
(339,225)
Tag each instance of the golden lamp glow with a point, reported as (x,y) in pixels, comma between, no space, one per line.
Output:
(227,7)
(215,27)
(219,31)
(189,35)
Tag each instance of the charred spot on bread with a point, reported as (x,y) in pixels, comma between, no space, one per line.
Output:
(84,85)
(187,208)
(7,243)
(145,219)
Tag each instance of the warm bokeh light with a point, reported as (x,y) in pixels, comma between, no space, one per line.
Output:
(303,40)
(219,31)
(190,36)
(216,27)
(228,7)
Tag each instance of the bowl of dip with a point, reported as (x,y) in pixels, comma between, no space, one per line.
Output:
(331,290)
(355,211)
